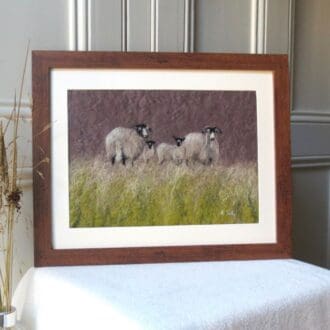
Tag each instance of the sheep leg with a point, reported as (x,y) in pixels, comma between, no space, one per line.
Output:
(189,163)
(123,159)
(161,161)
(177,162)
(113,160)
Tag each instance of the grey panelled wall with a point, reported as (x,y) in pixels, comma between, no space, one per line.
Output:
(100,34)
(311,131)
(310,214)
(279,15)
(241,26)
(169,21)
(312,48)
(225,26)
(139,25)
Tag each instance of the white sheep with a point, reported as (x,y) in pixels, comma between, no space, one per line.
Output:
(126,144)
(169,152)
(202,147)
(149,151)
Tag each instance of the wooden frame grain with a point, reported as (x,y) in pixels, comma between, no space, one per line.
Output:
(44,61)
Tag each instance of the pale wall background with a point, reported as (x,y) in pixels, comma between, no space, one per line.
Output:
(299,28)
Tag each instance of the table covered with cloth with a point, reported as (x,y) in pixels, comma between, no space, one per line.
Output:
(264,294)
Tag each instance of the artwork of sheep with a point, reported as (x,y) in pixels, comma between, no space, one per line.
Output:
(126,144)
(202,147)
(182,172)
(129,144)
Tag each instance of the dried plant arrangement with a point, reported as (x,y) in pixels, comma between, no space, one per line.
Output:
(10,199)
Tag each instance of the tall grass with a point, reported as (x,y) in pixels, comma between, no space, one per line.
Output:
(153,195)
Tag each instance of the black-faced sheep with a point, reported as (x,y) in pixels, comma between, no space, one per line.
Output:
(149,152)
(126,144)
(202,147)
(170,152)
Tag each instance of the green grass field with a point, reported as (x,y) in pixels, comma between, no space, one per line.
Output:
(153,195)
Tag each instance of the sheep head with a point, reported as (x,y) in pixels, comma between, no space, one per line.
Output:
(178,140)
(150,143)
(211,131)
(143,130)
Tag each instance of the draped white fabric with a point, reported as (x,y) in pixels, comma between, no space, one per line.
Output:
(269,294)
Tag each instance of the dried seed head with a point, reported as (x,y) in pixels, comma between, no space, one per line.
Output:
(14,198)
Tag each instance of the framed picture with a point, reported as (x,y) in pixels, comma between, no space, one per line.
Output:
(160,157)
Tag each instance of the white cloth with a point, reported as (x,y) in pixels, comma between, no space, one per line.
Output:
(269,294)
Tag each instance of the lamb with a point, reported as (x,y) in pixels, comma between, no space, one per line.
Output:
(169,152)
(149,151)
(179,150)
(202,147)
(126,144)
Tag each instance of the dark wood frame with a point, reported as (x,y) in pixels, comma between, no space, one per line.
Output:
(44,61)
